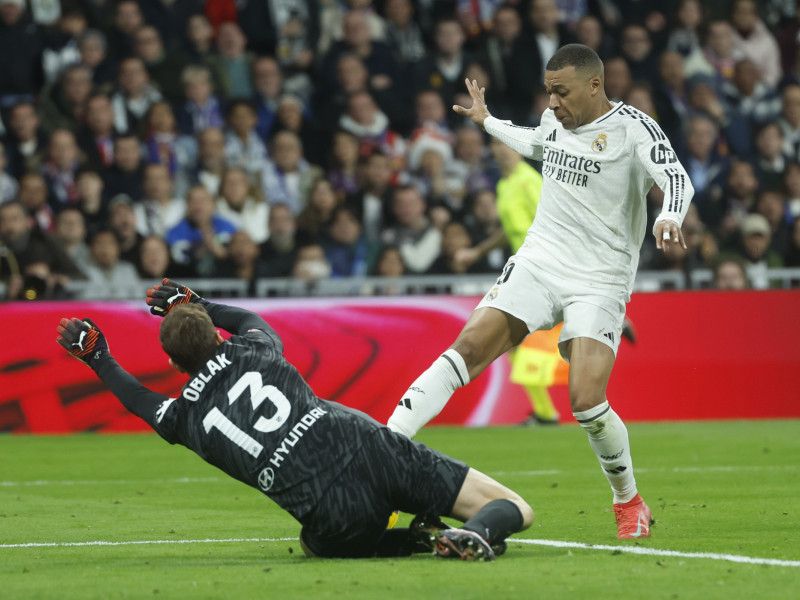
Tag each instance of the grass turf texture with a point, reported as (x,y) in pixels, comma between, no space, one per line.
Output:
(728,487)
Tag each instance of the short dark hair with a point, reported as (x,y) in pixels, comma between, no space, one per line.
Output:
(579,56)
(189,337)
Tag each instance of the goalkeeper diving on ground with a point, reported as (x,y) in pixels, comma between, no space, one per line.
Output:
(340,473)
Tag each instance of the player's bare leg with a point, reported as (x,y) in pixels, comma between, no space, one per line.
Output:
(591,362)
(491,512)
(488,334)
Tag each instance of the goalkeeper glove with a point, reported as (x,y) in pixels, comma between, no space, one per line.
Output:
(163,298)
(83,340)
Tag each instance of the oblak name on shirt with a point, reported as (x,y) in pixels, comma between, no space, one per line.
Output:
(192,390)
(568,168)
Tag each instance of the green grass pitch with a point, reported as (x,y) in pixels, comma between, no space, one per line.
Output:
(725,488)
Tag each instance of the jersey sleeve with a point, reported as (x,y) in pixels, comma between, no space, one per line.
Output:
(138,399)
(239,321)
(525,140)
(660,161)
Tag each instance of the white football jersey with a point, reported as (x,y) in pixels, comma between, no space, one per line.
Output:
(592,214)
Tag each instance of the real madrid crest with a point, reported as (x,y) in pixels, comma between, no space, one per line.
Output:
(492,294)
(599,143)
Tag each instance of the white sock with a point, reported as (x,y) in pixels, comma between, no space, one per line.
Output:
(429,393)
(608,437)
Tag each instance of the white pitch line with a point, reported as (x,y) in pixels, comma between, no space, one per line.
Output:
(37,483)
(553,543)
(718,469)
(656,552)
(142,542)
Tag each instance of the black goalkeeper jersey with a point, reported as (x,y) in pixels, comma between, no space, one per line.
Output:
(250,413)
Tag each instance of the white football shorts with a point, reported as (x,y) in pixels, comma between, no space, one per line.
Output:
(542,300)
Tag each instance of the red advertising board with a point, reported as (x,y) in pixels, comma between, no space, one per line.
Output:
(699,356)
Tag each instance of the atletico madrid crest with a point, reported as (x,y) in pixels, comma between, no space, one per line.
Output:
(599,143)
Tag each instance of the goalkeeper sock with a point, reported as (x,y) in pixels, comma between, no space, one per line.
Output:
(608,437)
(429,393)
(496,521)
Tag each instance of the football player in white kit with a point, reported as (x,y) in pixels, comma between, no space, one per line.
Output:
(578,262)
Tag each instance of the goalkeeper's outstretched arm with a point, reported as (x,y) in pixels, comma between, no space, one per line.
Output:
(237,321)
(84,340)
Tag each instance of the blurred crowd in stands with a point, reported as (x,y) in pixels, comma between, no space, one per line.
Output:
(314,138)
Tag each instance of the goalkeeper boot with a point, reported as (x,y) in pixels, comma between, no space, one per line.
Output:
(426,528)
(463,544)
(633,519)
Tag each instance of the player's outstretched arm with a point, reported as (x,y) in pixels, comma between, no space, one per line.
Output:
(84,340)
(237,321)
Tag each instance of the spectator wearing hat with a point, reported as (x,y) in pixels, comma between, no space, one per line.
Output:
(756,237)
(772,205)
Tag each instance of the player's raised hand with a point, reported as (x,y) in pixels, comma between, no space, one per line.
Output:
(163,298)
(82,339)
(478,111)
(668,234)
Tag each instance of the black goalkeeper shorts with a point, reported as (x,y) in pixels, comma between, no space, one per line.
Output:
(390,472)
